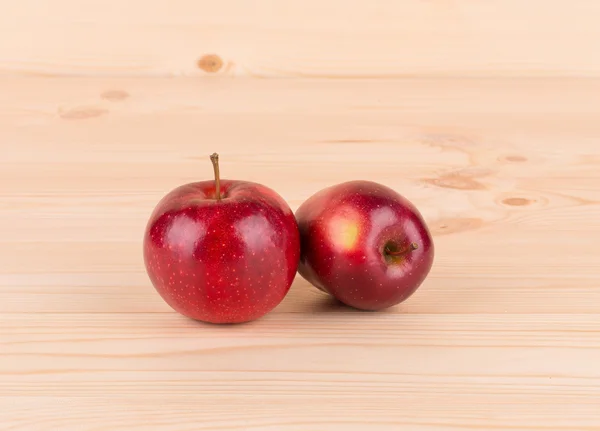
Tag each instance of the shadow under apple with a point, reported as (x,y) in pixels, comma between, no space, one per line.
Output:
(329,304)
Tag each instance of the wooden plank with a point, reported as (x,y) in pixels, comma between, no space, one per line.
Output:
(503,335)
(317,38)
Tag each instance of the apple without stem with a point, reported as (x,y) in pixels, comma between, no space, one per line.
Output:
(364,244)
(222,251)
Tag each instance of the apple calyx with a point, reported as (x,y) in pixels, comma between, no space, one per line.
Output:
(214,158)
(389,251)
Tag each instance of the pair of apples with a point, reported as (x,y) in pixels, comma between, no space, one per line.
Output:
(227,251)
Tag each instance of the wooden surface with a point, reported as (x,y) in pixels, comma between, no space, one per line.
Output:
(297,38)
(485,114)
(504,333)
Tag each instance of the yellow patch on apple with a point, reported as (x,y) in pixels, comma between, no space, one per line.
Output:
(344,232)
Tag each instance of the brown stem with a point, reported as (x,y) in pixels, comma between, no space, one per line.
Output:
(214,158)
(413,246)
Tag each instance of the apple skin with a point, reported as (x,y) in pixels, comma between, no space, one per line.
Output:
(356,242)
(222,261)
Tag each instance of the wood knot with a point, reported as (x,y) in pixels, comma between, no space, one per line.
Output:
(210,63)
(513,158)
(521,200)
(114,95)
(81,113)
(464,179)
(517,202)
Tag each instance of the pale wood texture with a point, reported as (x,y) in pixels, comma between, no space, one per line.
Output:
(486,114)
(317,38)
(504,334)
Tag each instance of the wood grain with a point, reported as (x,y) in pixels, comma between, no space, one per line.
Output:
(300,38)
(503,335)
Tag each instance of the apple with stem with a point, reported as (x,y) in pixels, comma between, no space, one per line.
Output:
(364,244)
(222,251)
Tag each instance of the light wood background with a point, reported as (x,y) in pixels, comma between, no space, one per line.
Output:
(486,114)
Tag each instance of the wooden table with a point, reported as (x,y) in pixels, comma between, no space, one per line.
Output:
(485,114)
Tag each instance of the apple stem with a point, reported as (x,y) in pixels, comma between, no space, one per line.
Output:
(214,158)
(413,246)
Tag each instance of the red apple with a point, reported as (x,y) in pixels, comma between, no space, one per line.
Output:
(364,244)
(222,251)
